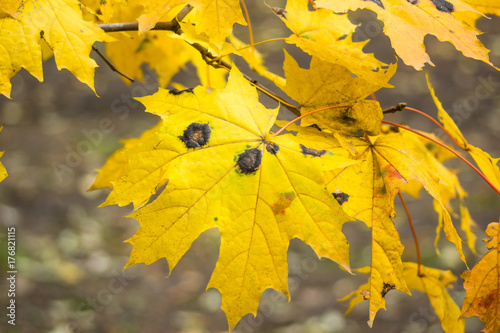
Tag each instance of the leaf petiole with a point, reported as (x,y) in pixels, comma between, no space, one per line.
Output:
(446,147)
(415,239)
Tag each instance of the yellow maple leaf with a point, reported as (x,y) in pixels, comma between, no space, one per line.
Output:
(328,36)
(224,169)
(487,164)
(433,282)
(386,163)
(406,23)
(330,85)
(154,10)
(60,24)
(482,298)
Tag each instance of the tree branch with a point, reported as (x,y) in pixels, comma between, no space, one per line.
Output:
(110,64)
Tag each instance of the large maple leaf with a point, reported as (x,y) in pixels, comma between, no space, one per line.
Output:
(60,24)
(224,169)
(408,22)
(482,284)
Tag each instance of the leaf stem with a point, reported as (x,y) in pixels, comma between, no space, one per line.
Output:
(415,239)
(110,64)
(437,123)
(307,114)
(250,33)
(448,148)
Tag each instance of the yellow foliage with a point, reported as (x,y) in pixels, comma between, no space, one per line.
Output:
(408,22)
(482,298)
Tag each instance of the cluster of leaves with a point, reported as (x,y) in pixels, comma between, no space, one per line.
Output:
(221,164)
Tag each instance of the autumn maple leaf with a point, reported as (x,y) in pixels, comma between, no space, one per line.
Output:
(223,168)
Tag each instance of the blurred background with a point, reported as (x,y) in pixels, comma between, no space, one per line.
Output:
(70,253)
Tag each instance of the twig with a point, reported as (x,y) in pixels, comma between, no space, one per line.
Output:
(110,64)
(134,26)
(394,109)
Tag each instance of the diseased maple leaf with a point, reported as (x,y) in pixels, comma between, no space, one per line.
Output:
(328,36)
(408,22)
(225,170)
(329,85)
(386,163)
(60,24)
(482,284)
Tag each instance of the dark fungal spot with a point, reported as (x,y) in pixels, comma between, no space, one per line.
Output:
(413,2)
(196,135)
(311,151)
(272,148)
(378,2)
(443,6)
(178,92)
(341,197)
(249,161)
(386,288)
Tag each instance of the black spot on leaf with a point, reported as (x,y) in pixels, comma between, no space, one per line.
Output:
(378,2)
(413,2)
(443,6)
(196,135)
(178,92)
(249,161)
(272,148)
(312,152)
(341,197)
(386,288)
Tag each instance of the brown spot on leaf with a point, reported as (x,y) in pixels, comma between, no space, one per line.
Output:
(311,151)
(249,161)
(178,92)
(272,148)
(284,201)
(341,197)
(443,6)
(386,288)
(196,135)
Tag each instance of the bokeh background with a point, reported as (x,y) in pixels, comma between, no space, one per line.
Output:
(70,253)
